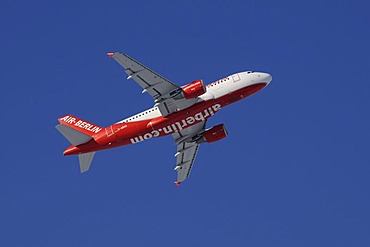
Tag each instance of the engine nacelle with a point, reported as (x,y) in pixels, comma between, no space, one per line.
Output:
(194,89)
(214,134)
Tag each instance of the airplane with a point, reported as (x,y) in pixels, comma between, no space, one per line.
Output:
(180,111)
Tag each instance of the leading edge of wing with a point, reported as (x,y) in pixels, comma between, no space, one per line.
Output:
(161,89)
(148,79)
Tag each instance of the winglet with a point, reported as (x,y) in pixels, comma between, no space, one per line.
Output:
(110,54)
(177,183)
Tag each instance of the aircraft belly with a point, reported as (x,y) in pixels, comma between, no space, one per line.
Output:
(178,121)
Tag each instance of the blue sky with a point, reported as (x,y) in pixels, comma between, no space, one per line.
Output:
(294,170)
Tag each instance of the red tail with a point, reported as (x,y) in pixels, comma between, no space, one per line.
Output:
(80,125)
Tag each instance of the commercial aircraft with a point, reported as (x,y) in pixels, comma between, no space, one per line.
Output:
(180,111)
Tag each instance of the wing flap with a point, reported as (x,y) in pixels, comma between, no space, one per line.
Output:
(187,150)
(185,160)
(150,81)
(166,107)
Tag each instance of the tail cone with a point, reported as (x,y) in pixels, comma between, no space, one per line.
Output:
(71,150)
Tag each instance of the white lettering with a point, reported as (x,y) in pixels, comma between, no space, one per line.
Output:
(91,127)
(137,139)
(64,118)
(199,117)
(78,123)
(210,111)
(184,124)
(174,127)
(177,126)
(71,120)
(216,107)
(190,120)
(167,130)
(148,136)
(206,112)
(155,133)
(96,129)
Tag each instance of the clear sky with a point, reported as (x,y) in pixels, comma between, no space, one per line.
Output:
(294,170)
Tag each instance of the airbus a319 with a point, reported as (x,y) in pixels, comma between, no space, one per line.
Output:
(180,111)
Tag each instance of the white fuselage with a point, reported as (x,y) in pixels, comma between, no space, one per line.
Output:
(215,90)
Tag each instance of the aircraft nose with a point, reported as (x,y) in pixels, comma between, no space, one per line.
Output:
(265,77)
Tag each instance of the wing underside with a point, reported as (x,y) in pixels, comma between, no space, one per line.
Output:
(151,82)
(185,159)
(165,94)
(187,149)
(161,89)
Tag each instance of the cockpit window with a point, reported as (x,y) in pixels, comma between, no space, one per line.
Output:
(249,72)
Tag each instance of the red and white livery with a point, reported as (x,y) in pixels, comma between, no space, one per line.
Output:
(178,111)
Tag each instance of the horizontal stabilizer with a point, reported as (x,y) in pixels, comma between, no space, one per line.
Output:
(85,161)
(73,136)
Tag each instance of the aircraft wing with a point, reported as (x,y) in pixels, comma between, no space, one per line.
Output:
(187,149)
(161,89)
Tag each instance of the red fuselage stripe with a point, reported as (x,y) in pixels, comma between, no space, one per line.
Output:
(132,132)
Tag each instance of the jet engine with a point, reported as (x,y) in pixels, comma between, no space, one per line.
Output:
(213,134)
(194,89)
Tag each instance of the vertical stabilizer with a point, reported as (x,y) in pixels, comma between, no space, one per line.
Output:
(80,125)
(85,161)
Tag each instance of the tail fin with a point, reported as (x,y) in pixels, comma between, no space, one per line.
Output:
(85,161)
(77,131)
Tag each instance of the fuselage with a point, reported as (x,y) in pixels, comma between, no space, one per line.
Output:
(150,123)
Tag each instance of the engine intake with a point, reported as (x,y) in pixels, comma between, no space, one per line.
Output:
(213,134)
(194,89)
